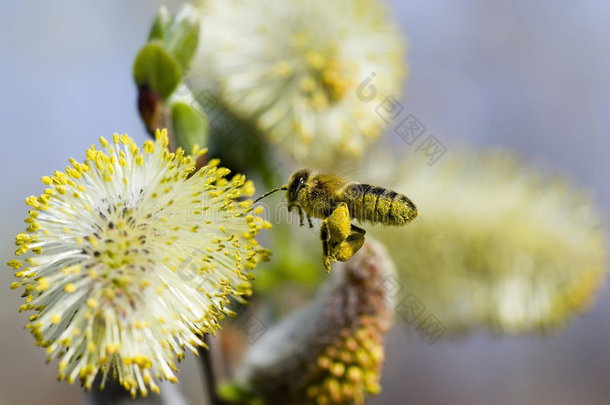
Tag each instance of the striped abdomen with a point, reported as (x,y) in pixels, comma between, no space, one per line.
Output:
(377,204)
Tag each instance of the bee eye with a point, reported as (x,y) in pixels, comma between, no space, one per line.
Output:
(296,184)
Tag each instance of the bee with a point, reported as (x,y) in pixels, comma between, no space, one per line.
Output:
(337,202)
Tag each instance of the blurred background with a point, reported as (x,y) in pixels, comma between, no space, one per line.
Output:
(532,77)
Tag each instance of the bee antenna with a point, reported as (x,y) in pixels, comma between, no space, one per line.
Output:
(285,187)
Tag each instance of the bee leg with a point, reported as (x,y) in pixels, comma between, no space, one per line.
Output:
(300,211)
(309,220)
(351,245)
(356,232)
(334,231)
(327,259)
(324,234)
(301,216)
(339,223)
(326,255)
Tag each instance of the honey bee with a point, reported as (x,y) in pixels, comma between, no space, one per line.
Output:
(337,202)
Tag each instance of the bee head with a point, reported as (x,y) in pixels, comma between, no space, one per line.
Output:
(296,182)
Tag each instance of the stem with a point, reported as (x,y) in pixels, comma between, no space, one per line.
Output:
(208,373)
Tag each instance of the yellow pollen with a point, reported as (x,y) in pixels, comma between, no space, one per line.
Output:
(283,69)
(315,60)
(43,284)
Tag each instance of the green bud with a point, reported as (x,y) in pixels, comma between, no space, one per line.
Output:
(182,36)
(159,25)
(190,125)
(163,62)
(156,69)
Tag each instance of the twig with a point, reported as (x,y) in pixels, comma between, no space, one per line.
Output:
(208,373)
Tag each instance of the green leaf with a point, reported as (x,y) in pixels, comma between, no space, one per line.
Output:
(159,25)
(182,36)
(157,69)
(190,126)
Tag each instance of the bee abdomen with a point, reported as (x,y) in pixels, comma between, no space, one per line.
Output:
(377,204)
